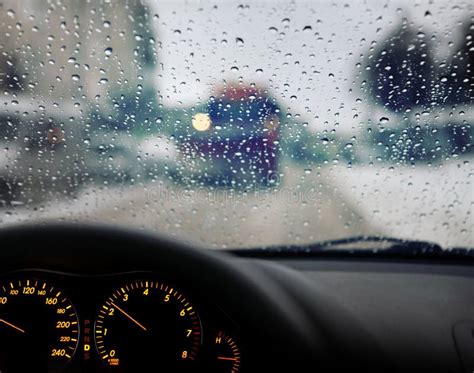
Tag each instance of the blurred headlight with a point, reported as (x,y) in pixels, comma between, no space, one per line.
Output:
(201,122)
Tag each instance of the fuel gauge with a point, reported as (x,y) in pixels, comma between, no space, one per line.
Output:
(225,354)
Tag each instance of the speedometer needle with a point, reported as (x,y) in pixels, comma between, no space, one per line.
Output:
(128,316)
(12,326)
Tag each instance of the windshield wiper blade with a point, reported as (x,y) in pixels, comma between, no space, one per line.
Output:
(362,246)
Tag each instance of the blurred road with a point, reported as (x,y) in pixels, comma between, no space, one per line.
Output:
(311,205)
(304,209)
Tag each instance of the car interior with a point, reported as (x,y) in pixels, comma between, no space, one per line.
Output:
(289,312)
(219,186)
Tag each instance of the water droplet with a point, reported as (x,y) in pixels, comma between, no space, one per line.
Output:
(10,13)
(239,41)
(76,77)
(384,120)
(108,51)
(307,28)
(106,24)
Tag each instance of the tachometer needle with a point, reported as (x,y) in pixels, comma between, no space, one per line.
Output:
(128,316)
(12,326)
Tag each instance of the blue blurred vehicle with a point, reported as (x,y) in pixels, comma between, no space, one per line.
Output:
(234,141)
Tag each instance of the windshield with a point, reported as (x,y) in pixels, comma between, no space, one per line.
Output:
(240,124)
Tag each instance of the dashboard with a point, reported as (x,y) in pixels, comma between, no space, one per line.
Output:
(77,298)
(117,322)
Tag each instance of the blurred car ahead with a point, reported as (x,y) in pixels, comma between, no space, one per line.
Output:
(116,154)
(234,141)
(111,157)
(424,135)
(42,149)
(158,156)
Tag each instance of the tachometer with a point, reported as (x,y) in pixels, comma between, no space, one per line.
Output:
(146,325)
(39,327)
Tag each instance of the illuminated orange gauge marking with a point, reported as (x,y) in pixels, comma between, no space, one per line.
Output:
(161,317)
(35,308)
(227,351)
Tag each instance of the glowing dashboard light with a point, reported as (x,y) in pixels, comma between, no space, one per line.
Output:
(201,122)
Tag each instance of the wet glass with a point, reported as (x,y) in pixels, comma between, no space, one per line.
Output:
(240,124)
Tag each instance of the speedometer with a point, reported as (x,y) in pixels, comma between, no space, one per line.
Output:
(147,325)
(39,328)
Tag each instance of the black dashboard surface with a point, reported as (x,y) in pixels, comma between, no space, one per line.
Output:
(422,313)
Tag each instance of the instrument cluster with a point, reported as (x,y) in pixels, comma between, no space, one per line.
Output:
(137,321)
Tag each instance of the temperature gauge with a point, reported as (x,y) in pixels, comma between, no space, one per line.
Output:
(225,354)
